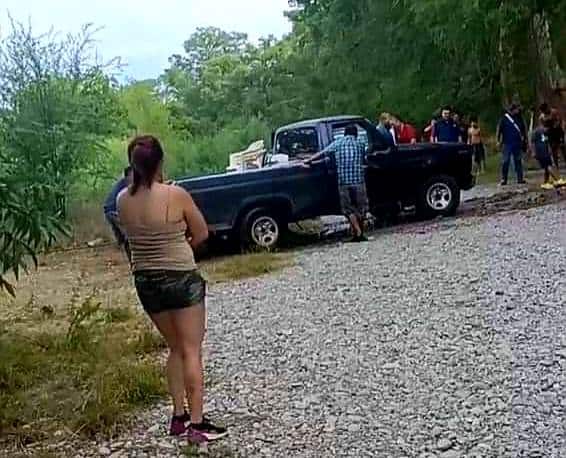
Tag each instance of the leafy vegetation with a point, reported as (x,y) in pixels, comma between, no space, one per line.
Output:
(85,379)
(84,359)
(64,120)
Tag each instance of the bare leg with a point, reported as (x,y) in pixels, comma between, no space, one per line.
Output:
(356,227)
(189,326)
(164,323)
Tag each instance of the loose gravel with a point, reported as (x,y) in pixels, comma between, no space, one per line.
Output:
(442,339)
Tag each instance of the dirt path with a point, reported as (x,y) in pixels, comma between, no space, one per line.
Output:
(412,345)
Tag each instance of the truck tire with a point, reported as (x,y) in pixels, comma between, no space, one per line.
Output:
(438,196)
(261,228)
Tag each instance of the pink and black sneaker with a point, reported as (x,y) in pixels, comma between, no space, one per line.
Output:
(200,433)
(179,425)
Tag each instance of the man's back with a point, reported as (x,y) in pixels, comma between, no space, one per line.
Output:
(349,156)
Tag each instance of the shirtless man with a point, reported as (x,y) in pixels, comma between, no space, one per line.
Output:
(475,140)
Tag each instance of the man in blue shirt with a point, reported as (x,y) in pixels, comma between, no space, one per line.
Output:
(446,130)
(111,208)
(384,129)
(511,135)
(349,154)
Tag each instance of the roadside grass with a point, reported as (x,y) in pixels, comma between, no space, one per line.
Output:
(83,379)
(77,354)
(245,266)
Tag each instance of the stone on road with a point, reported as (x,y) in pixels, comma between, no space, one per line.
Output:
(442,342)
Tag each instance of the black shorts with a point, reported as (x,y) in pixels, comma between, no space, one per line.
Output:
(479,153)
(544,161)
(167,290)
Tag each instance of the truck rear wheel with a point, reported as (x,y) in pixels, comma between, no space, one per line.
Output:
(439,196)
(261,228)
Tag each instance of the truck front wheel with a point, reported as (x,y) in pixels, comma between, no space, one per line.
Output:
(261,228)
(439,196)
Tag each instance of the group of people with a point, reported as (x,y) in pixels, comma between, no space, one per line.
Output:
(448,127)
(545,140)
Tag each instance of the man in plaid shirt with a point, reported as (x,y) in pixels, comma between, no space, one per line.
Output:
(349,153)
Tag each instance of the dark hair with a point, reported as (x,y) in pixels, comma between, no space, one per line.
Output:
(474,118)
(351,130)
(146,155)
(544,108)
(127,171)
(446,108)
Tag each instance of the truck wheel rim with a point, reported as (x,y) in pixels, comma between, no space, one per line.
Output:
(265,232)
(439,196)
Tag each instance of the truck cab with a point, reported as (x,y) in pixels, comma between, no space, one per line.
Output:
(301,140)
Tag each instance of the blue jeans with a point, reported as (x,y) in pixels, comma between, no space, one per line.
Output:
(517,154)
(112,219)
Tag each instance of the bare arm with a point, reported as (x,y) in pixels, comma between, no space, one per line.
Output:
(330,148)
(198,229)
(315,158)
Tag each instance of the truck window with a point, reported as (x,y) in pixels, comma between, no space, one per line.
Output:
(338,132)
(297,143)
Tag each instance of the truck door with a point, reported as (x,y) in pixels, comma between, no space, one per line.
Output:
(315,191)
(381,167)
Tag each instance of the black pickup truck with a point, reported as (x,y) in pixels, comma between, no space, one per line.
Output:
(256,206)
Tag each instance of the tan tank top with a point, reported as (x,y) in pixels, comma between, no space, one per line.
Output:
(160,246)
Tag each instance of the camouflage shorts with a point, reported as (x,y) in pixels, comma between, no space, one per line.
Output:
(166,290)
(354,200)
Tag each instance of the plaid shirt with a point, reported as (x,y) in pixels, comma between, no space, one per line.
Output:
(349,155)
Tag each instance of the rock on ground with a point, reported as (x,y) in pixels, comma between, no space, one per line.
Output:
(434,340)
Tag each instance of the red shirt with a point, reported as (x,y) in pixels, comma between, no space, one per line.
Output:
(406,134)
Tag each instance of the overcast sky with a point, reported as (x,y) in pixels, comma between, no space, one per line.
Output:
(146,32)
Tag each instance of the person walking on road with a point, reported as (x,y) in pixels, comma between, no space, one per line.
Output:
(511,135)
(164,227)
(349,153)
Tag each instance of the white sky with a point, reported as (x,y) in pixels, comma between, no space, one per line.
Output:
(144,33)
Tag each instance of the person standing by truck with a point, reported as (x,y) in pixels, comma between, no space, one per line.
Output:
(111,209)
(349,154)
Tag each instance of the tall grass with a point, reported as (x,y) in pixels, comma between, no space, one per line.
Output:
(85,378)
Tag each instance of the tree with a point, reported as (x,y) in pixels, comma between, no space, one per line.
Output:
(58,107)
(205,44)
(27,224)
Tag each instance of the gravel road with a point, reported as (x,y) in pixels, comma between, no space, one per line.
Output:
(440,339)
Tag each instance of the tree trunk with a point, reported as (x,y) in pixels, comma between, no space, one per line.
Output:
(549,75)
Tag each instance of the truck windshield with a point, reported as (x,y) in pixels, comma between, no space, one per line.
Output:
(297,143)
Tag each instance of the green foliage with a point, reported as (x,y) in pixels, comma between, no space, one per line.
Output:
(57,106)
(27,223)
(85,379)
